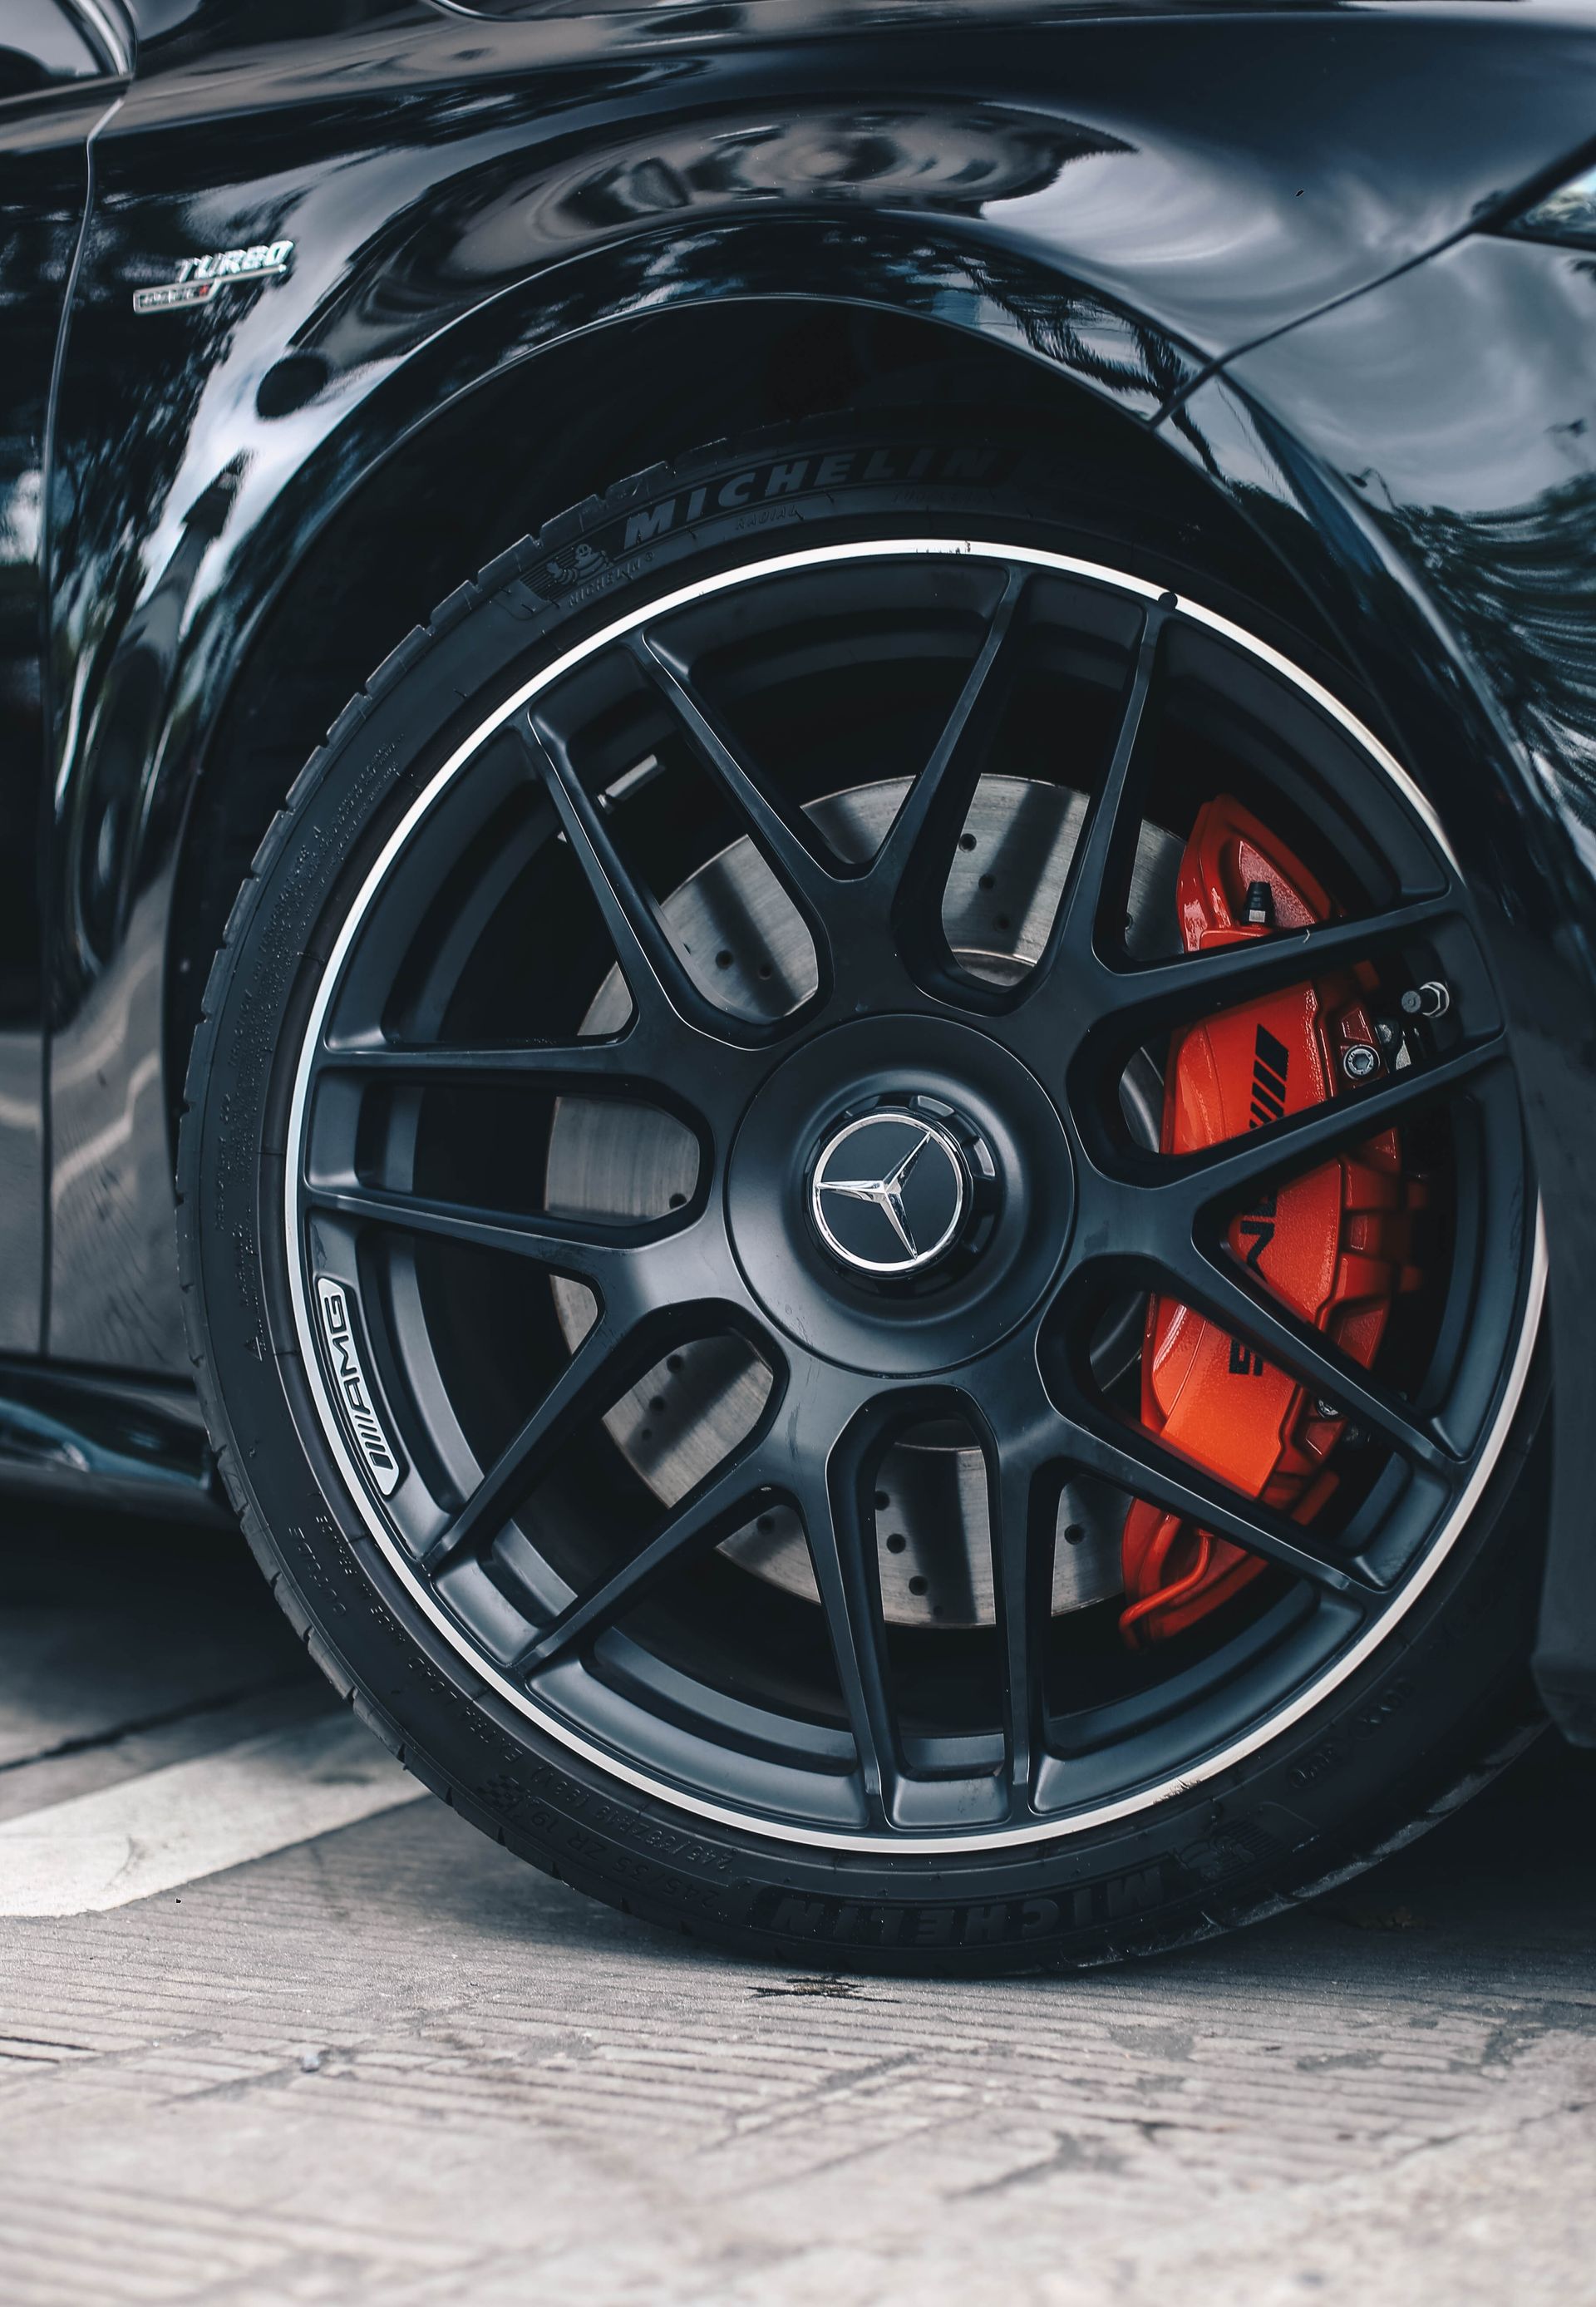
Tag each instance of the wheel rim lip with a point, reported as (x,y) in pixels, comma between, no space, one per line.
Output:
(1055,1827)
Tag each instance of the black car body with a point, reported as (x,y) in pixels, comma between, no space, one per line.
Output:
(293,295)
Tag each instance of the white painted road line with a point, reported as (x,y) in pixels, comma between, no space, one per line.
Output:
(196,1818)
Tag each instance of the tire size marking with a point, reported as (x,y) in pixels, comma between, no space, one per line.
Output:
(348,1376)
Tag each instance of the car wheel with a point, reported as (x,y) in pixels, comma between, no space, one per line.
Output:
(857,1229)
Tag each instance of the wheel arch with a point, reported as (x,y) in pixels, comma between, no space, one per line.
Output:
(460,200)
(772,322)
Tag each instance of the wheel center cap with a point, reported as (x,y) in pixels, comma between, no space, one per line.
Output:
(889,1193)
(899,1194)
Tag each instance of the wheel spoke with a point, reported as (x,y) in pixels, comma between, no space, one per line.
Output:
(1167,993)
(1308,1354)
(721,1504)
(616,1063)
(587,1252)
(1226,1174)
(661,988)
(789,844)
(835,1507)
(912,865)
(1131,1459)
(596,1374)
(1022,1504)
(1100,869)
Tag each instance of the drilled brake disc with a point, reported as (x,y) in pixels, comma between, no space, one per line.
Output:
(748,949)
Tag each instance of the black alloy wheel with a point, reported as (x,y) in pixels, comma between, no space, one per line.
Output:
(673,1188)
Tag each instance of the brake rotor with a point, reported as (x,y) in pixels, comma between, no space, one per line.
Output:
(748,950)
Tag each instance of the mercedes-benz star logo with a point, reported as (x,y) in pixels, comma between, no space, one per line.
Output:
(895,1199)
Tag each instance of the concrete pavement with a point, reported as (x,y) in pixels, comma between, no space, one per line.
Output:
(382,2061)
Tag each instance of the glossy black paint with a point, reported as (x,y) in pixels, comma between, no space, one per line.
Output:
(1147,211)
(1118,206)
(1445,509)
(43,181)
(106,1438)
(43,46)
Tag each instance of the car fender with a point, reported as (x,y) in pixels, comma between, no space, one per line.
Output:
(1424,457)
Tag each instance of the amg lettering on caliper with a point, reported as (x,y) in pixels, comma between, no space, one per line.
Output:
(1270,1059)
(1270,1062)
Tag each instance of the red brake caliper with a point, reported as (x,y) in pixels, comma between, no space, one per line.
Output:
(1334,1246)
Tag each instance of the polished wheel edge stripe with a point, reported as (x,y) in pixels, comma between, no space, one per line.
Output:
(677,1798)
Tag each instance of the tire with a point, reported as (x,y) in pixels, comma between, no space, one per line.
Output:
(1268,1789)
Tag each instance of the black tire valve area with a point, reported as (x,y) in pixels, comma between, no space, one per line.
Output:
(770,1595)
